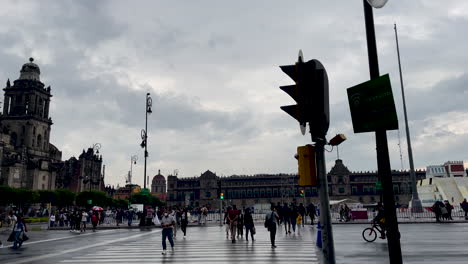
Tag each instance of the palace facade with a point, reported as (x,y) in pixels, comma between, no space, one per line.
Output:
(274,188)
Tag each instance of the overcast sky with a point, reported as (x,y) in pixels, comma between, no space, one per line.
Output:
(212,70)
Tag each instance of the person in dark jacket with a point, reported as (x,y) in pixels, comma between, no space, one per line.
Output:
(249,225)
(436,208)
(184,221)
(240,224)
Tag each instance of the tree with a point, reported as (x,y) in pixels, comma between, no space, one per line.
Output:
(25,197)
(64,198)
(46,196)
(97,198)
(7,195)
(146,199)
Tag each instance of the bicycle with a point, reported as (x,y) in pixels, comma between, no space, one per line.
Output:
(370,234)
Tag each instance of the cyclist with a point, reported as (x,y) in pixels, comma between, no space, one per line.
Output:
(380,219)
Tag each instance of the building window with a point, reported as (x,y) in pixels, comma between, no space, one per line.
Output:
(396,189)
(208,194)
(43,177)
(341,190)
(353,190)
(365,189)
(43,187)
(340,180)
(39,140)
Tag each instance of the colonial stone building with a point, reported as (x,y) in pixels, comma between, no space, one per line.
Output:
(82,174)
(273,188)
(27,155)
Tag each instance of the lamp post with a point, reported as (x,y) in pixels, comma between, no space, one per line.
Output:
(144,133)
(383,158)
(133,160)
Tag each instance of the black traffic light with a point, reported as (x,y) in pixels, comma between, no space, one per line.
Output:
(311,94)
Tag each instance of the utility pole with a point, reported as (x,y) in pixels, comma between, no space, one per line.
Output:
(383,158)
(415,202)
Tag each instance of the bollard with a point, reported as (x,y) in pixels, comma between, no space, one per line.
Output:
(318,243)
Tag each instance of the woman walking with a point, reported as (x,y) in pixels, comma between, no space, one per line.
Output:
(18,230)
(249,225)
(184,221)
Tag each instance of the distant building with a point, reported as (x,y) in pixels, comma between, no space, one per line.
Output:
(27,156)
(127,191)
(452,189)
(158,186)
(444,182)
(274,188)
(455,168)
(437,171)
(83,174)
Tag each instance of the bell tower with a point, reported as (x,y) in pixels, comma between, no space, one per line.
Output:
(26,120)
(26,110)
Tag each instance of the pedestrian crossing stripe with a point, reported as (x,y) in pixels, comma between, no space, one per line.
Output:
(214,249)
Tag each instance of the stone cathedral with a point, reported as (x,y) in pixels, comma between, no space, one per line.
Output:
(27,156)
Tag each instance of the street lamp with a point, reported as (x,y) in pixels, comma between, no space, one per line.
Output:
(377,3)
(383,158)
(144,133)
(133,160)
(335,141)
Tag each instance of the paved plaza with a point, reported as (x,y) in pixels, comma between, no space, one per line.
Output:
(421,243)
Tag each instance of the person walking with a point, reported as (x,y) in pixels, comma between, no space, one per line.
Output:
(464,206)
(249,225)
(18,229)
(52,220)
(95,220)
(436,208)
(167,223)
(292,217)
(311,212)
(449,208)
(227,222)
(184,221)
(271,221)
(299,223)
(173,214)
(302,212)
(240,225)
(233,216)
(84,217)
(285,212)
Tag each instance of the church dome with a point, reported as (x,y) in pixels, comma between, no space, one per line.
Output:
(30,71)
(158,178)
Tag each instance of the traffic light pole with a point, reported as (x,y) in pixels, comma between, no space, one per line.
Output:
(328,247)
(220,212)
(383,158)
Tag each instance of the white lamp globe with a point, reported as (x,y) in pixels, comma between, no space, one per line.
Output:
(377,3)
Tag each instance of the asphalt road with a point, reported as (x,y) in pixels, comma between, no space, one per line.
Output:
(421,243)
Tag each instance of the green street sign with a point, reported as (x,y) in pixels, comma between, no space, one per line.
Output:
(90,201)
(372,105)
(378,185)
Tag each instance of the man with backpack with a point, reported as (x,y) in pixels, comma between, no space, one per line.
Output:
(271,220)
